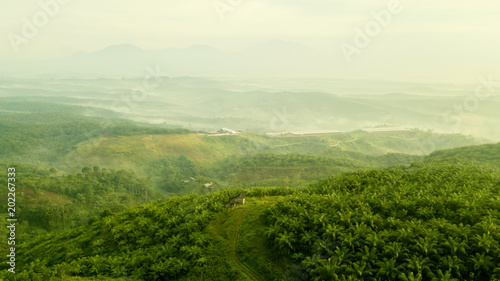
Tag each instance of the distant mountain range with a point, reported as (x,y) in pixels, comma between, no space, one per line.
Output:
(274,57)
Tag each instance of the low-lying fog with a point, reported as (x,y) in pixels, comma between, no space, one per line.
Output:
(274,105)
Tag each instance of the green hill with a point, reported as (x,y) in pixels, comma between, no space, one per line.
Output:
(49,200)
(44,138)
(482,153)
(171,157)
(91,202)
(433,221)
(58,136)
(250,159)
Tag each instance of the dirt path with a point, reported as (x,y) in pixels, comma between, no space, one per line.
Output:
(227,226)
(333,145)
(234,242)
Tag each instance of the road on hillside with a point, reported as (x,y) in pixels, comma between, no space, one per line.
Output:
(250,274)
(344,142)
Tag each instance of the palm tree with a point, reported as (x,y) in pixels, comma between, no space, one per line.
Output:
(360,228)
(443,276)
(482,264)
(388,268)
(340,255)
(162,233)
(166,250)
(418,263)
(332,231)
(285,241)
(272,231)
(327,270)
(452,263)
(374,239)
(350,240)
(199,238)
(485,241)
(369,254)
(427,245)
(312,262)
(176,240)
(119,271)
(411,277)
(160,270)
(108,222)
(456,246)
(394,249)
(360,269)
(192,252)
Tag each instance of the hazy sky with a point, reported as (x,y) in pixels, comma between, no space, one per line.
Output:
(448,34)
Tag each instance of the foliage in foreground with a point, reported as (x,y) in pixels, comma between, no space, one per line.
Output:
(438,221)
(433,221)
(47,200)
(157,241)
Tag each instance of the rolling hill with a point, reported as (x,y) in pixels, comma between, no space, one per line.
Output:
(128,201)
(41,135)
(416,223)
(489,153)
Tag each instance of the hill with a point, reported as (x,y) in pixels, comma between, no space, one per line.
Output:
(250,159)
(45,135)
(433,221)
(50,200)
(260,105)
(122,60)
(482,153)
(50,135)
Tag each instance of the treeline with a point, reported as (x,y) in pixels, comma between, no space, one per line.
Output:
(170,173)
(484,153)
(31,137)
(295,160)
(133,130)
(272,169)
(47,200)
(50,105)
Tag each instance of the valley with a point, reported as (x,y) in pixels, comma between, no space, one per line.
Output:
(231,140)
(110,198)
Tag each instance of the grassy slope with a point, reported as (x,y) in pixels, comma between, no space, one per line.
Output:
(227,227)
(133,152)
(253,248)
(242,229)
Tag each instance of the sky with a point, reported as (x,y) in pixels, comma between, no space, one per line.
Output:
(459,37)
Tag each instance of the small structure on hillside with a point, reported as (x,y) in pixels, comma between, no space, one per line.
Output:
(227,131)
(236,201)
(208,184)
(223,131)
(190,179)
